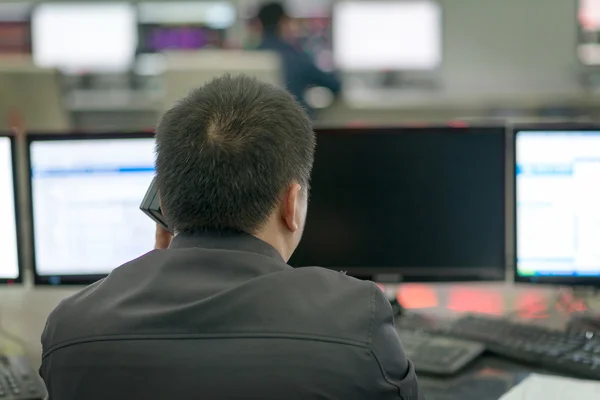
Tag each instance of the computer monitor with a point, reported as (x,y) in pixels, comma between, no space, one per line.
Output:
(84,37)
(183,25)
(557,204)
(10,271)
(387,35)
(416,204)
(85,195)
(15,29)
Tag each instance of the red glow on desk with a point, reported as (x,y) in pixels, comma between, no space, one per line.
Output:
(417,296)
(568,304)
(532,305)
(479,301)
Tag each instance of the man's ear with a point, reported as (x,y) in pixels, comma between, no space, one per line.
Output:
(291,207)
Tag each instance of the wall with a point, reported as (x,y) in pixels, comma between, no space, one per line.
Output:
(510,46)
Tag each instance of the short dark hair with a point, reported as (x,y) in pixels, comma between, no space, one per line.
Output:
(226,153)
(270,15)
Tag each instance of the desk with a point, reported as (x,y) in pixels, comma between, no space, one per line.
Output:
(490,376)
(23,312)
(124,109)
(488,379)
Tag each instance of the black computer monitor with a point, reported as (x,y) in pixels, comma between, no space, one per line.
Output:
(422,204)
(10,266)
(85,195)
(557,204)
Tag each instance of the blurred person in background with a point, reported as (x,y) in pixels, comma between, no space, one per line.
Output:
(215,312)
(300,71)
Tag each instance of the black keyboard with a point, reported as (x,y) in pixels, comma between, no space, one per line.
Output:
(438,355)
(18,381)
(575,353)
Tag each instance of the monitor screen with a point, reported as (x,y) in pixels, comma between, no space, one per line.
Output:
(9,253)
(183,25)
(86,194)
(84,37)
(387,35)
(425,203)
(557,205)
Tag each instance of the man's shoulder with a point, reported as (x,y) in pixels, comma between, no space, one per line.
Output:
(323,278)
(322,281)
(321,301)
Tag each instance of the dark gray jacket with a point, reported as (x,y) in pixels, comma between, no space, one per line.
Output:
(222,316)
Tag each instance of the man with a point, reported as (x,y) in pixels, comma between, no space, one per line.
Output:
(300,73)
(219,314)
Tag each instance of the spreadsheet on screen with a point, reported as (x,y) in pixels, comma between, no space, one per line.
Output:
(9,260)
(86,196)
(558,203)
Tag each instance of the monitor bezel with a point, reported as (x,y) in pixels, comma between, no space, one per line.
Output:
(439,274)
(17,212)
(550,128)
(66,280)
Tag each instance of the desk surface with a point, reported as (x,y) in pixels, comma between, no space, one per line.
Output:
(490,377)
(23,312)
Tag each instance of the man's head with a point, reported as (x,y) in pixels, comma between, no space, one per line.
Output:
(236,155)
(272,17)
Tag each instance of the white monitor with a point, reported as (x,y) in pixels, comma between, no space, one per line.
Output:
(9,253)
(86,192)
(557,195)
(84,37)
(387,35)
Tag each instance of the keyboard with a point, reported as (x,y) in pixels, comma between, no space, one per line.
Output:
(438,355)
(18,381)
(575,352)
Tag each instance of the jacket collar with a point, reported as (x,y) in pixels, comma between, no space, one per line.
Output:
(226,240)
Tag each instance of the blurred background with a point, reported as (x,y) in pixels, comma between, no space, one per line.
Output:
(88,80)
(398,61)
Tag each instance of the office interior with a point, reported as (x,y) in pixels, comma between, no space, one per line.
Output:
(465,141)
